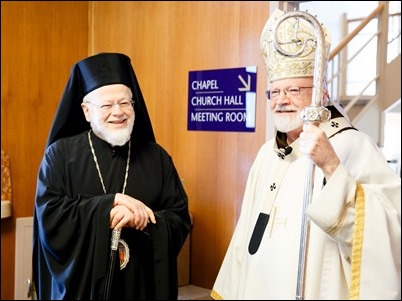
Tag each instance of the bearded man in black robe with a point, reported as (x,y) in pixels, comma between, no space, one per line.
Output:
(103,170)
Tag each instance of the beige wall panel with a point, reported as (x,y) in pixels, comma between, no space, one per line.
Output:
(165,41)
(40,40)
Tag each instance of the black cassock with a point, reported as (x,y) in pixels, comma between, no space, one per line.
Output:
(71,221)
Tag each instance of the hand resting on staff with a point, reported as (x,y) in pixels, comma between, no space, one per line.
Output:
(130,212)
(315,144)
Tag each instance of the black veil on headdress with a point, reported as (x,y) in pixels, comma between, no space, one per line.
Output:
(87,75)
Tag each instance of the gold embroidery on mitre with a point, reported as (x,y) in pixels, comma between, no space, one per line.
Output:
(280,66)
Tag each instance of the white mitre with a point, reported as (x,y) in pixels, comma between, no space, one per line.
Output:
(294,33)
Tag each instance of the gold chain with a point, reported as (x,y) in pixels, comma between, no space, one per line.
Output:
(97,165)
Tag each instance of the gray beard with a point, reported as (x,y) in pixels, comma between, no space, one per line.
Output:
(119,137)
(115,137)
(287,124)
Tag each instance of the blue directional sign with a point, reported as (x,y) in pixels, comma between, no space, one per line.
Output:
(222,100)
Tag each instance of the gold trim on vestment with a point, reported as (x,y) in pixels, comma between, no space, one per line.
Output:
(357,245)
(215,295)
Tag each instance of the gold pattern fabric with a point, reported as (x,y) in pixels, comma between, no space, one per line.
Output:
(295,33)
(215,295)
(357,244)
(5,177)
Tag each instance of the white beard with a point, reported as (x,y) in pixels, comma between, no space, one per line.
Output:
(116,136)
(287,124)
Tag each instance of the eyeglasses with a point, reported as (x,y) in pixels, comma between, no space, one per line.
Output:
(107,107)
(291,91)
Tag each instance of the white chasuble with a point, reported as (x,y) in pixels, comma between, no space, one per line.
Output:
(266,268)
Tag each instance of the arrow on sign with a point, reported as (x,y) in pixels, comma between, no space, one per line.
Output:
(246,85)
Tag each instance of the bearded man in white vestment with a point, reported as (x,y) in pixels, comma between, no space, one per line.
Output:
(354,243)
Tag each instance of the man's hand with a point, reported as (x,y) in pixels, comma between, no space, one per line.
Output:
(315,144)
(130,212)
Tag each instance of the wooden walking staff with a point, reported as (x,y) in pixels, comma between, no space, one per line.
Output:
(314,113)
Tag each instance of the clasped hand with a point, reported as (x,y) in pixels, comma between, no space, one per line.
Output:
(315,144)
(130,212)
